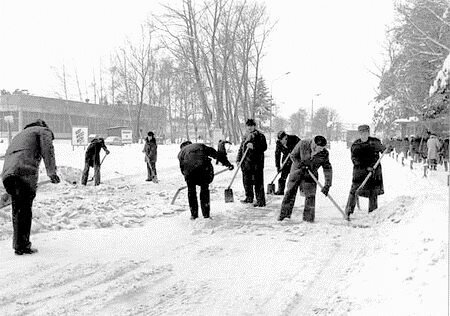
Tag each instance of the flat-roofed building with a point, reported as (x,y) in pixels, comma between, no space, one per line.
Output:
(61,115)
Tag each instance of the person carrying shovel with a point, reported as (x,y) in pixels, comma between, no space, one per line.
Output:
(92,159)
(196,167)
(252,164)
(285,144)
(365,153)
(308,156)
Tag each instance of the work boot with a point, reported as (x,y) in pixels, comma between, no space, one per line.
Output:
(247,200)
(279,193)
(193,218)
(282,217)
(28,251)
(259,204)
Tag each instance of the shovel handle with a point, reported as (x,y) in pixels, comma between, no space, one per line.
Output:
(328,195)
(281,168)
(370,173)
(238,167)
(185,186)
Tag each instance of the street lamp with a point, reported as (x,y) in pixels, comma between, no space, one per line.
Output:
(272,103)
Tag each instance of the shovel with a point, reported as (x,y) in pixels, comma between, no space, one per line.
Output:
(185,186)
(271,185)
(328,195)
(228,191)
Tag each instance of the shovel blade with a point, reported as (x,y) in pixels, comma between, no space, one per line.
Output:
(271,188)
(229,196)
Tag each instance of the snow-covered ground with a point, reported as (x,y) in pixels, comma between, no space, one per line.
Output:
(122,249)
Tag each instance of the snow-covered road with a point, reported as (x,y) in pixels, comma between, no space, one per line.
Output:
(122,249)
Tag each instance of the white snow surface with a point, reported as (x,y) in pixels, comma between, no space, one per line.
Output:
(121,249)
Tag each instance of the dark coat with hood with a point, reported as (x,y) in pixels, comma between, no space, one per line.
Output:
(150,149)
(25,152)
(254,160)
(302,156)
(365,155)
(92,156)
(195,162)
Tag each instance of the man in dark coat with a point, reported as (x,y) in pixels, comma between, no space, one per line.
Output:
(253,164)
(20,177)
(285,144)
(221,148)
(365,152)
(92,159)
(151,152)
(196,167)
(308,155)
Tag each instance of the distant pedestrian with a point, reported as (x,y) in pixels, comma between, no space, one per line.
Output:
(445,153)
(365,152)
(433,147)
(253,164)
(221,148)
(92,159)
(196,167)
(308,155)
(285,145)
(151,153)
(20,177)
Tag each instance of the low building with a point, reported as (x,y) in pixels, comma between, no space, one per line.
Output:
(61,115)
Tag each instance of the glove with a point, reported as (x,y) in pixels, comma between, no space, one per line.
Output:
(369,169)
(230,167)
(55,179)
(107,152)
(250,145)
(305,165)
(325,189)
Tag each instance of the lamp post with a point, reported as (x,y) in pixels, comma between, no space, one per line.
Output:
(312,110)
(272,103)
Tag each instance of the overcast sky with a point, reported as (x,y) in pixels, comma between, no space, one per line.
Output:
(328,46)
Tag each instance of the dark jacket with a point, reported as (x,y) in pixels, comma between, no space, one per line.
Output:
(292,140)
(25,152)
(92,156)
(195,162)
(365,155)
(254,160)
(221,146)
(301,156)
(150,149)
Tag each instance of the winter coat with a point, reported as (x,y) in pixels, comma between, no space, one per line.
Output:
(301,155)
(221,146)
(444,149)
(195,162)
(254,160)
(25,152)
(150,149)
(92,156)
(434,147)
(292,140)
(365,155)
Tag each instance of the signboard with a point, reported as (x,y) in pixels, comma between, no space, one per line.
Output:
(9,119)
(79,135)
(127,136)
